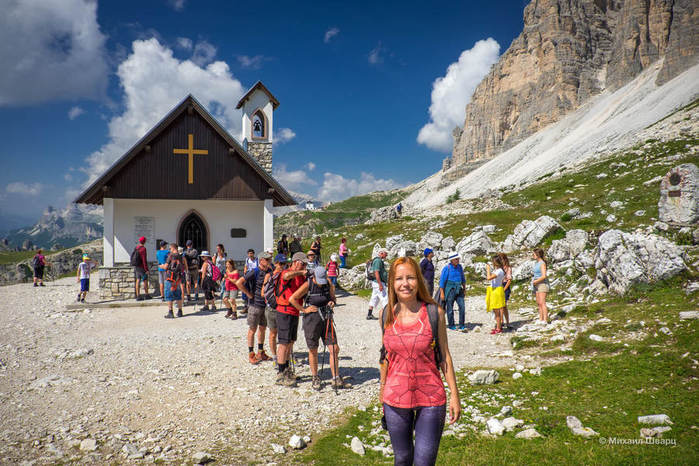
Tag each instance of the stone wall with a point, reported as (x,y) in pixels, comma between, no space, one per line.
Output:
(117,283)
(262,152)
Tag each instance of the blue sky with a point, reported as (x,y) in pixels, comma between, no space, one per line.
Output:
(355,81)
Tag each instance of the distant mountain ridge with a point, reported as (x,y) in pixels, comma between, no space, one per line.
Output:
(59,228)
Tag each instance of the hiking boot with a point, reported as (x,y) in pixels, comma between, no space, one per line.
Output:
(170,315)
(462,327)
(315,383)
(148,297)
(179,313)
(451,327)
(289,379)
(139,298)
(234,316)
(76,300)
(371,317)
(229,314)
(253,359)
(280,378)
(338,382)
(204,309)
(262,356)
(82,300)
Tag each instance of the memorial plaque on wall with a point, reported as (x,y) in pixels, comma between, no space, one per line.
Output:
(144,226)
(238,233)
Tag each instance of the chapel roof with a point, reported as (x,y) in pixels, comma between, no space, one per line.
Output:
(261,87)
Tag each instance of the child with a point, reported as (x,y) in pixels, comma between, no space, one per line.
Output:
(332,269)
(83,276)
(496,300)
(230,293)
(506,285)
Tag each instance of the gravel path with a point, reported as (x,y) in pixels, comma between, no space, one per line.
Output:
(145,387)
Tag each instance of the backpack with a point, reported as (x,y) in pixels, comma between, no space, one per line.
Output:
(136,258)
(369,274)
(174,270)
(250,285)
(433,316)
(315,290)
(273,289)
(215,272)
(35,261)
(192,258)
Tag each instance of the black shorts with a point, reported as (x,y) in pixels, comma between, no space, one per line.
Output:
(39,271)
(315,328)
(287,328)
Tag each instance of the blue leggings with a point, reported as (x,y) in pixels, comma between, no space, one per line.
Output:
(427,422)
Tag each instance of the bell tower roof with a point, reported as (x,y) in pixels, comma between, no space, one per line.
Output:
(258,86)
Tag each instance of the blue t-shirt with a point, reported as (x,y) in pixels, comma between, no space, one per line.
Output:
(161,255)
(451,274)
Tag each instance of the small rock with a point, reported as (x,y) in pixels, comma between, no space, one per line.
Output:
(640,213)
(495,427)
(201,457)
(689,315)
(654,431)
(611,218)
(129,449)
(661,226)
(577,427)
(278,449)
(510,423)
(665,330)
(594,337)
(357,446)
(616,204)
(535,371)
(528,434)
(506,410)
(654,419)
(88,444)
(296,442)
(516,376)
(484,377)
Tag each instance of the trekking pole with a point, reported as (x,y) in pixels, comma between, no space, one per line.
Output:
(330,325)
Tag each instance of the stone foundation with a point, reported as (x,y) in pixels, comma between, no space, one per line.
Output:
(262,152)
(117,283)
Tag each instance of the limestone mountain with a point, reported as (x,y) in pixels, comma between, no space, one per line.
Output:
(569,51)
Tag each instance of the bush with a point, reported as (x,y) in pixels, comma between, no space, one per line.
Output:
(454,197)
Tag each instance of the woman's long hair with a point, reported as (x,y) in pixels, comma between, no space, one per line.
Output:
(505,260)
(422,294)
(541,255)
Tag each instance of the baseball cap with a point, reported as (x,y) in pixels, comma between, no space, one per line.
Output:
(280,258)
(189,242)
(142,239)
(321,275)
(299,256)
(427,252)
(265,255)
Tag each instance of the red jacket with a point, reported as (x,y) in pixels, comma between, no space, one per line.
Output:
(144,256)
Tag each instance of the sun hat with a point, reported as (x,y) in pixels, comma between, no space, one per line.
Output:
(299,256)
(454,255)
(142,239)
(280,258)
(382,250)
(427,252)
(205,254)
(321,275)
(265,255)
(333,257)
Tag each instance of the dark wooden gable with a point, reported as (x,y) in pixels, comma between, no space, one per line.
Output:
(151,170)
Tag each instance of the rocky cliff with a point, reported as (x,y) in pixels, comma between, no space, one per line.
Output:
(568,51)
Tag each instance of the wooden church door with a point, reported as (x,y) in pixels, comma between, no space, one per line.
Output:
(193,227)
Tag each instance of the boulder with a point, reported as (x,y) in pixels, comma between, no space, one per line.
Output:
(510,423)
(679,192)
(577,427)
(296,442)
(531,233)
(523,271)
(432,240)
(624,259)
(392,241)
(201,457)
(448,244)
(495,427)
(654,431)
(354,278)
(528,434)
(403,249)
(357,446)
(382,214)
(568,248)
(654,419)
(484,377)
(689,315)
(476,243)
(278,449)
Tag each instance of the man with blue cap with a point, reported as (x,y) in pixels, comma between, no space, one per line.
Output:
(427,269)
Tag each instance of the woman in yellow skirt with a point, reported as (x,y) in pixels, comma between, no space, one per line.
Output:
(495,295)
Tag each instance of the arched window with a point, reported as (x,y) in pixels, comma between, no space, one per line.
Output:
(259,125)
(194,228)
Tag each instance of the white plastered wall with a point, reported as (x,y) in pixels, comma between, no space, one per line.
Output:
(219,216)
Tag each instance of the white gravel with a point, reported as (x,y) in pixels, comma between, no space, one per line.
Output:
(145,387)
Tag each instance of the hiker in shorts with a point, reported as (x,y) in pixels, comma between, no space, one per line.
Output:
(192,256)
(39,264)
(83,276)
(174,273)
(139,260)
(251,262)
(379,278)
(316,310)
(270,313)
(161,255)
(230,292)
(208,274)
(251,285)
(291,280)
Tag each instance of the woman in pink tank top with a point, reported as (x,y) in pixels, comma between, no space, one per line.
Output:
(412,393)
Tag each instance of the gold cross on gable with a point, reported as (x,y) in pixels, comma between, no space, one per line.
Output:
(190,151)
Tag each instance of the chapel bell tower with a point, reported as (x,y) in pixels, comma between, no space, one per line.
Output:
(258,106)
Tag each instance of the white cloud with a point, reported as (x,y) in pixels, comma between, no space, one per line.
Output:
(23,188)
(283,135)
(336,187)
(330,33)
(295,180)
(177,5)
(154,82)
(75,112)
(51,49)
(203,53)
(376,56)
(452,92)
(310,166)
(252,63)
(185,43)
